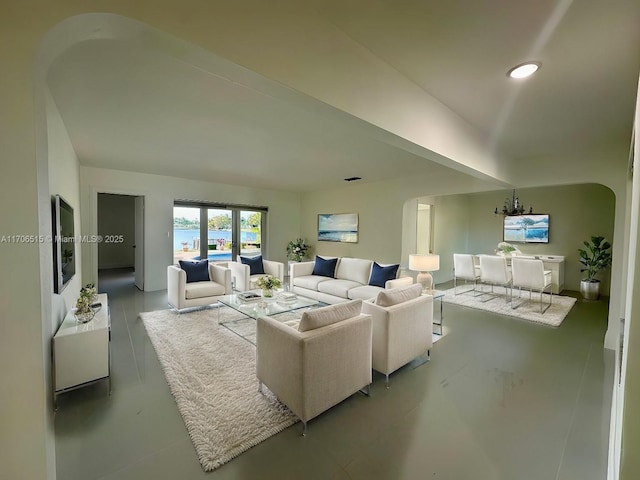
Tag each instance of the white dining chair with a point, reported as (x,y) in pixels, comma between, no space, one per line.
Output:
(529,273)
(465,268)
(494,272)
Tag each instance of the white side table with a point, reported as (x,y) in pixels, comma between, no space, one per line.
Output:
(81,352)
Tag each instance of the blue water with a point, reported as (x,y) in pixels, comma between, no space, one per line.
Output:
(533,235)
(180,236)
(338,236)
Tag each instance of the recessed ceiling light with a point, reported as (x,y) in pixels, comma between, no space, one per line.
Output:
(524,70)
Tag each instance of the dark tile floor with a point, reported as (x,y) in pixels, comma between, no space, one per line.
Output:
(500,399)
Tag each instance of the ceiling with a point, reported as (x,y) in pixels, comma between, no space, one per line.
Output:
(132,107)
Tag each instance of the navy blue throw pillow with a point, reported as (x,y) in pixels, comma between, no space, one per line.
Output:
(196,271)
(379,274)
(325,267)
(256,267)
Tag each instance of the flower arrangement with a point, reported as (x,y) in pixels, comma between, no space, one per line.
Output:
(84,312)
(267,283)
(89,291)
(297,249)
(507,249)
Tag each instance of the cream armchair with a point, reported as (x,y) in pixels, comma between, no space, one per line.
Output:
(402,328)
(197,294)
(317,365)
(242,278)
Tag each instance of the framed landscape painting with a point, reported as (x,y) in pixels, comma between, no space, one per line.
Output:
(526,228)
(338,227)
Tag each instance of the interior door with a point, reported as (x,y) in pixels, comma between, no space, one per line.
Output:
(139,243)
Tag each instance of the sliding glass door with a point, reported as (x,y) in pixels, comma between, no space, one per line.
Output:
(220,233)
(250,233)
(216,233)
(186,233)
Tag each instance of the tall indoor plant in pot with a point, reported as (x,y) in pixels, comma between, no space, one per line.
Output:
(594,258)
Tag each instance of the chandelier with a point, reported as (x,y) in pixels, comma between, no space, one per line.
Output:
(512,206)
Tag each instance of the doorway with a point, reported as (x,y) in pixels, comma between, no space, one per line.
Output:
(121,230)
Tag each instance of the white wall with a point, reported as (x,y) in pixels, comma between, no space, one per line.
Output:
(625,428)
(451,231)
(64,180)
(160,192)
(116,217)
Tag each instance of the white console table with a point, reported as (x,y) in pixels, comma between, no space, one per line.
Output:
(81,352)
(555,264)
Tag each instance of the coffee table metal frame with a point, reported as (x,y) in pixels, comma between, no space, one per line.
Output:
(265,306)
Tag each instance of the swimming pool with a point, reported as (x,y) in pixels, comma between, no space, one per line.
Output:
(216,257)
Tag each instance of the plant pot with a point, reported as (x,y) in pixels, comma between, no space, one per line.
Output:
(267,292)
(590,290)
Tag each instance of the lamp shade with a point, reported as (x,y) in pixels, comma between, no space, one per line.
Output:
(424,263)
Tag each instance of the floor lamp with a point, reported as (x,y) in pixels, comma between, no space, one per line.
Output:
(424,264)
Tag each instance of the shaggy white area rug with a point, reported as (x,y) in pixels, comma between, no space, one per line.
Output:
(528,310)
(211,372)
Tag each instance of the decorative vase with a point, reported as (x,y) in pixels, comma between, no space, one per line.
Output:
(267,292)
(590,290)
(84,317)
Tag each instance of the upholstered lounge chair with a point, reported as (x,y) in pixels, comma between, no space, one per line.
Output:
(323,361)
(245,275)
(402,327)
(182,294)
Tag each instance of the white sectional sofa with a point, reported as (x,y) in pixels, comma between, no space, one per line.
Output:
(350,281)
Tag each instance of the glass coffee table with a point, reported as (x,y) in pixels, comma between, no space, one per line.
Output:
(264,306)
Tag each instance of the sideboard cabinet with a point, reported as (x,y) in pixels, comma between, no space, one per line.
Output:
(81,352)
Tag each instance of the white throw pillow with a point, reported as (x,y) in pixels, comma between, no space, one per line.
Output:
(394,296)
(321,317)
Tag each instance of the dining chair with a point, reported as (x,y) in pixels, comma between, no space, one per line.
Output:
(465,268)
(494,271)
(529,273)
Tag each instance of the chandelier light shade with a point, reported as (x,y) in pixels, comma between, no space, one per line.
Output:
(424,264)
(512,206)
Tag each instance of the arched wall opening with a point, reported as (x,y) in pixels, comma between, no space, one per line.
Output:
(466,223)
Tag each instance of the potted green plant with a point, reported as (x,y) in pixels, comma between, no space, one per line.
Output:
(595,257)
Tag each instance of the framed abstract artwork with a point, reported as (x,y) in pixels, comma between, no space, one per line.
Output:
(338,227)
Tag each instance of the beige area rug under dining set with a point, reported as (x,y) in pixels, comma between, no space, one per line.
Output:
(529,309)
